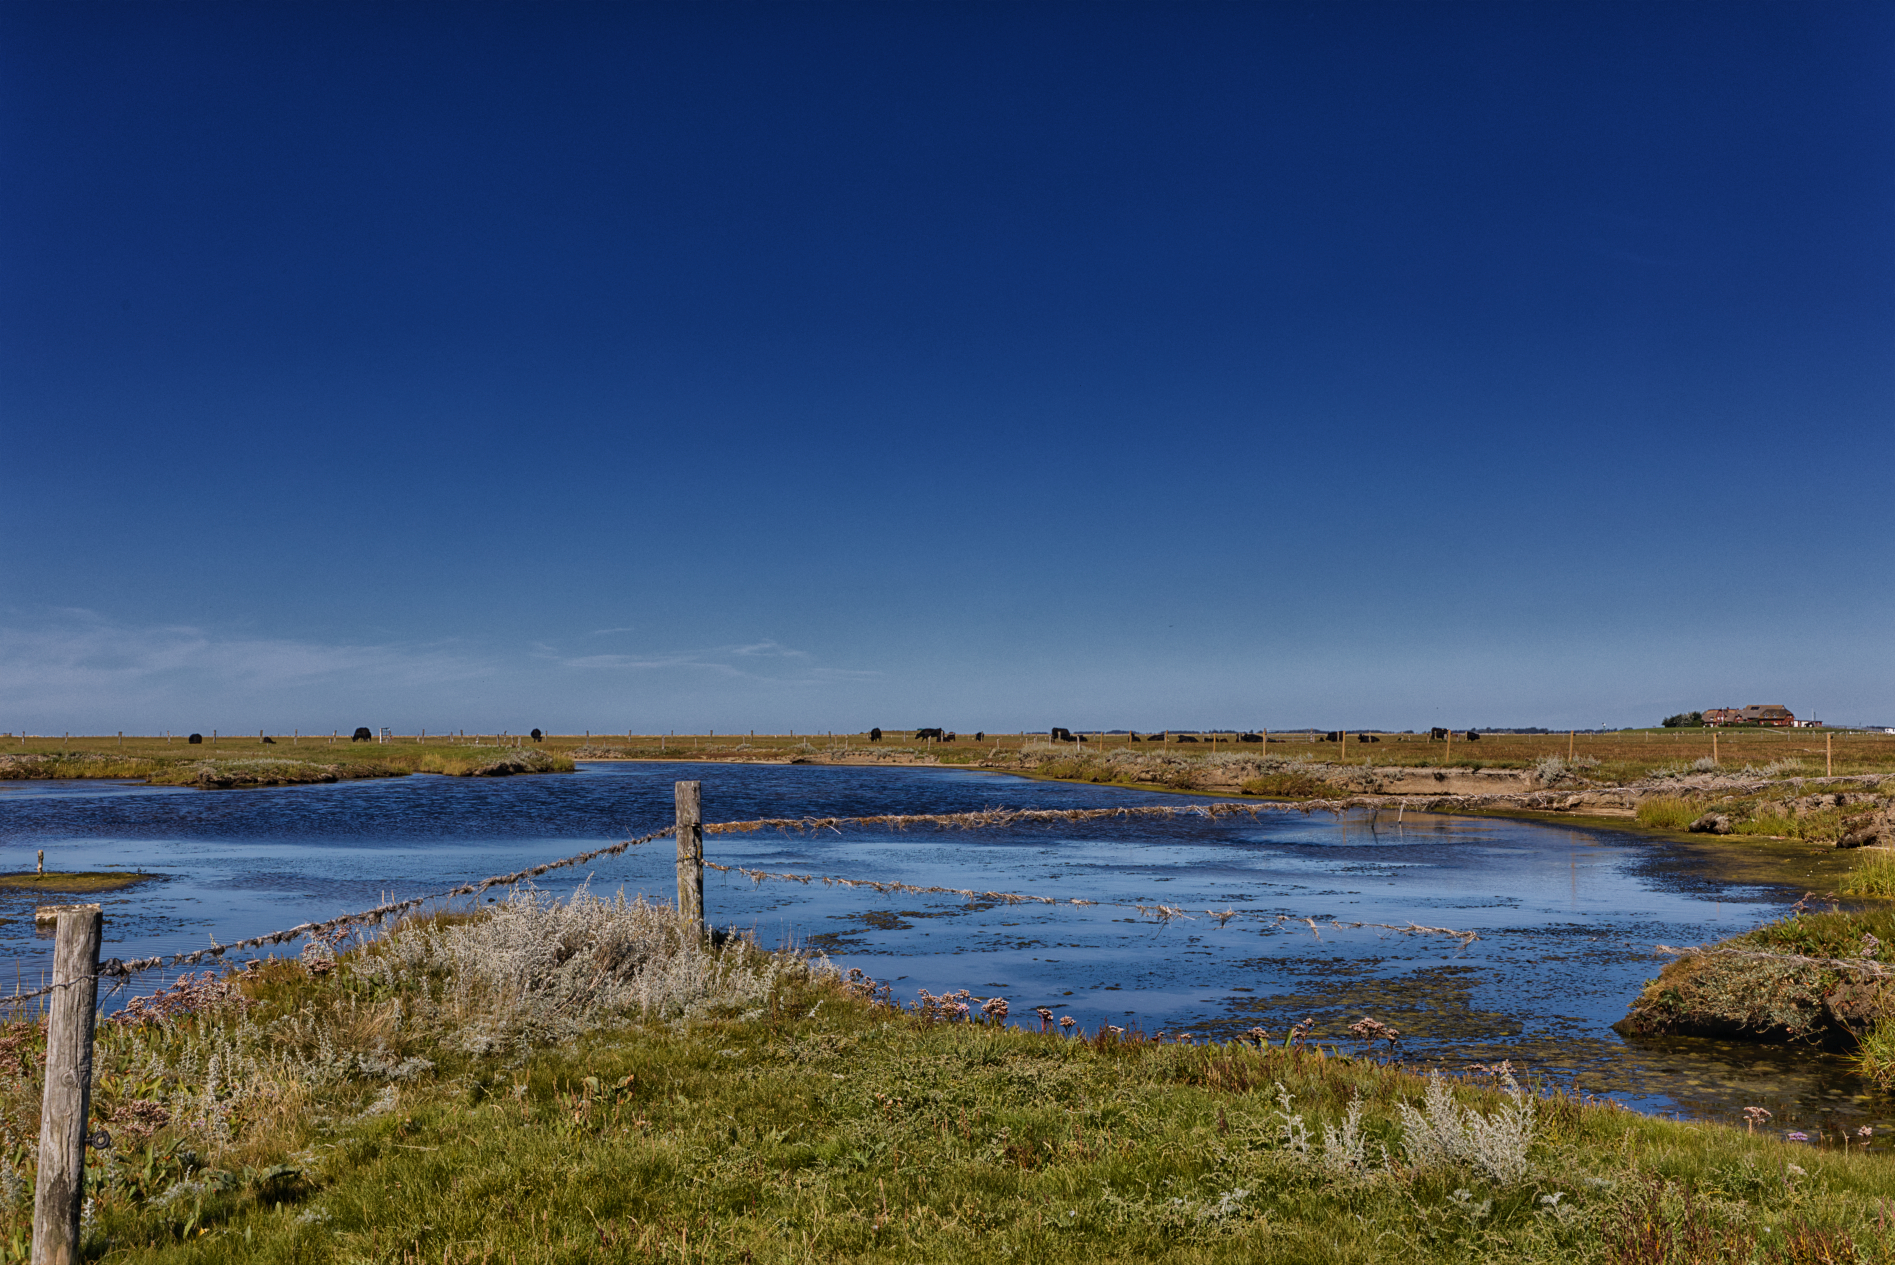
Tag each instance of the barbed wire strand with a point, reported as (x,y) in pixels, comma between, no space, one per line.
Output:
(122,971)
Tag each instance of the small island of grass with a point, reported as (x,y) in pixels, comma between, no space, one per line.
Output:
(73,881)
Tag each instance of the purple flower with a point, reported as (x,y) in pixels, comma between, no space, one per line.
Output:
(1797,1136)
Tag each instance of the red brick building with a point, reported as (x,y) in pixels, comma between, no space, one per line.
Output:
(1771,715)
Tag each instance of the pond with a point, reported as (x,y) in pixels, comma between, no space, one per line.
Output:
(1566,918)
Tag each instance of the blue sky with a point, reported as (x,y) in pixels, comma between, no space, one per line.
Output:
(994,366)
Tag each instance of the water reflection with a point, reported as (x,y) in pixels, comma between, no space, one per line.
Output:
(1566,918)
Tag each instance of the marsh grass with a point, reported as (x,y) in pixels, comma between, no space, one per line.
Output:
(586,1082)
(73,882)
(1876,1055)
(1667,812)
(239,765)
(1873,875)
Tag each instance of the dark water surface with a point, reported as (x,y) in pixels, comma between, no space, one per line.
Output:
(1566,918)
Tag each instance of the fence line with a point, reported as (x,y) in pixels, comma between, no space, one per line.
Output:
(1161,913)
(122,971)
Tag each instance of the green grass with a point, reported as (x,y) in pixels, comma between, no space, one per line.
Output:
(73,881)
(347,1116)
(1667,812)
(1874,875)
(234,764)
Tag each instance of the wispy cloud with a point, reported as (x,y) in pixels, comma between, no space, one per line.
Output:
(757,660)
(76,662)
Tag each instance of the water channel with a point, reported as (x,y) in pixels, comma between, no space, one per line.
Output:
(1566,918)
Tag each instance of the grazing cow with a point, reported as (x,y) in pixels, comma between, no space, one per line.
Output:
(535,735)
(1250,737)
(268,741)
(1058,734)
(1437,734)
(939,735)
(1334,735)
(362,734)
(1135,738)
(875,735)
(980,736)
(1367,738)
(195,738)
(1187,737)
(1473,735)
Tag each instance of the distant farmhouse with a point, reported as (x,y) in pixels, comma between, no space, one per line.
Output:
(1771,715)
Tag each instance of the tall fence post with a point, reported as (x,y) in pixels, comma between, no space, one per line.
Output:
(691,851)
(66,1103)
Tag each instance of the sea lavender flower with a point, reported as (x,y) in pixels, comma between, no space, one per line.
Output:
(1797,1135)
(1754,1116)
(1067,1021)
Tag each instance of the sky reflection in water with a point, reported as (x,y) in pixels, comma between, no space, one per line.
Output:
(1567,918)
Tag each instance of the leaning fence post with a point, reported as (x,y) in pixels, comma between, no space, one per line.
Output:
(66,1102)
(691,851)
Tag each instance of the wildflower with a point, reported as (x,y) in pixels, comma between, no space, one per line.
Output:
(1046,1017)
(1754,1116)
(1261,1035)
(994,1008)
(1796,1135)
(1865,1133)
(1067,1021)
(1870,945)
(1797,1171)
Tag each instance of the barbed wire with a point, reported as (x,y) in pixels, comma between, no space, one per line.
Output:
(1160,913)
(121,971)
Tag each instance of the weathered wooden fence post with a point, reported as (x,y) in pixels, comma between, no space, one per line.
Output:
(691,851)
(66,1104)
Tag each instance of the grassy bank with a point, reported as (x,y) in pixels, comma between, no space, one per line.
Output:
(1782,982)
(73,882)
(251,763)
(590,1082)
(1613,759)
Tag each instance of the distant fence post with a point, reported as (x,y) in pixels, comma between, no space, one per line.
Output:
(67,1102)
(691,851)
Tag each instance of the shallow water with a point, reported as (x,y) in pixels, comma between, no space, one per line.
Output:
(1566,917)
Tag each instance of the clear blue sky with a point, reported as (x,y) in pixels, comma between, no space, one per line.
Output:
(985,365)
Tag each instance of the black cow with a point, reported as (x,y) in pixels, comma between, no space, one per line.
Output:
(268,741)
(362,734)
(1058,734)
(1250,737)
(535,735)
(1135,738)
(875,735)
(1187,737)
(939,735)
(980,736)
(195,738)
(1473,735)
(1437,734)
(1367,738)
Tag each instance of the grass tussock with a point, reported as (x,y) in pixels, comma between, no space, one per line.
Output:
(1874,875)
(1667,812)
(1779,999)
(591,1081)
